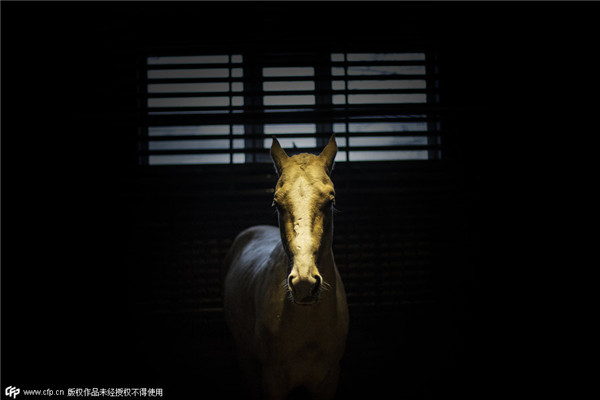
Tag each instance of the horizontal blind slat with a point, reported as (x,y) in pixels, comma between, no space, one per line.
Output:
(286,93)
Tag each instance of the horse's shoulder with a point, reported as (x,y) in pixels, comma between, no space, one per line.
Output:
(253,235)
(259,231)
(252,252)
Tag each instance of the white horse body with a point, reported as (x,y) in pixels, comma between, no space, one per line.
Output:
(284,342)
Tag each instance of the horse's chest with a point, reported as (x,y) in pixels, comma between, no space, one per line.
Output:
(302,352)
(304,338)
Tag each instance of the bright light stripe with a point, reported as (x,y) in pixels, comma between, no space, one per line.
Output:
(387,98)
(195,144)
(291,86)
(288,100)
(387,70)
(190,130)
(219,59)
(386,126)
(189,144)
(189,87)
(188,73)
(390,84)
(353,57)
(189,102)
(290,143)
(388,155)
(284,129)
(288,71)
(386,141)
(221,158)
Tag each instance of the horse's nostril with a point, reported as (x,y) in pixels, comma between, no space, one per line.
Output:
(290,285)
(317,286)
(318,279)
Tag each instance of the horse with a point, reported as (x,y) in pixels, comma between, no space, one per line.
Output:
(284,300)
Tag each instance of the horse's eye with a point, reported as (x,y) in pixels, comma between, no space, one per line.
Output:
(332,197)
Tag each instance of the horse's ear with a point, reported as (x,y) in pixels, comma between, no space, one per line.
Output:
(278,155)
(328,154)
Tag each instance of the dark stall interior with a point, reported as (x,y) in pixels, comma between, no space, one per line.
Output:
(111,265)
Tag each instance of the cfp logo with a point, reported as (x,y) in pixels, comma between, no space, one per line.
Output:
(12,391)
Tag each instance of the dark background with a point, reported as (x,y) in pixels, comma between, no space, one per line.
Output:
(77,243)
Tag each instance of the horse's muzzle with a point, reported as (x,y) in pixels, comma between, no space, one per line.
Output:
(305,291)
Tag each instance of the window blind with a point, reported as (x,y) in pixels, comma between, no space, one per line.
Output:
(224,109)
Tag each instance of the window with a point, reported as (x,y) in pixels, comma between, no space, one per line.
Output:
(188,86)
(224,109)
